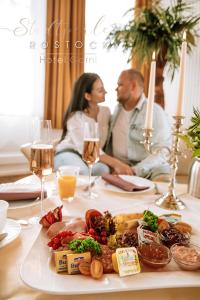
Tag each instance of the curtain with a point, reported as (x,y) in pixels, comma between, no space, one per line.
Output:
(65,29)
(135,63)
(143,3)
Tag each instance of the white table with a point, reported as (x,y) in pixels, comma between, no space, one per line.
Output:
(13,255)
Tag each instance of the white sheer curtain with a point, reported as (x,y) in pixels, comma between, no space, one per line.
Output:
(192,86)
(22,35)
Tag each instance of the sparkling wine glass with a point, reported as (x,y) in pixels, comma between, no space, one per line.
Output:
(42,156)
(91,150)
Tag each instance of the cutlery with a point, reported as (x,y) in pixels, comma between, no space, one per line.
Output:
(91,184)
(157,192)
(3,235)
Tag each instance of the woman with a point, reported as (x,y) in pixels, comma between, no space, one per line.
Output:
(84,107)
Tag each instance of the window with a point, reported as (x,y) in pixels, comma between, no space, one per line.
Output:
(100,17)
(22,30)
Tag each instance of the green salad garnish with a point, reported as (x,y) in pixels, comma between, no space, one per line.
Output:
(89,244)
(151,220)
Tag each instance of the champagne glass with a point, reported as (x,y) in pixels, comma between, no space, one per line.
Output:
(42,156)
(91,149)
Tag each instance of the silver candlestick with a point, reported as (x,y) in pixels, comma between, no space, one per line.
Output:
(170,199)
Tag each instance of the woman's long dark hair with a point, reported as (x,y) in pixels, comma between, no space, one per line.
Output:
(83,84)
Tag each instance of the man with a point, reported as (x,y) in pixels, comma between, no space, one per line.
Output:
(126,130)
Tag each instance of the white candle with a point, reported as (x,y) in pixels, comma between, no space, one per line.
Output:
(151,92)
(181,86)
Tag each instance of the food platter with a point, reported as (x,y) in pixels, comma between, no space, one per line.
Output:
(38,272)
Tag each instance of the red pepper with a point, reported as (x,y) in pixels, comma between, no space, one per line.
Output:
(89,217)
(52,217)
(159,221)
(61,239)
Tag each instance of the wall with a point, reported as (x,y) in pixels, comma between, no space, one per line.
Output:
(192,86)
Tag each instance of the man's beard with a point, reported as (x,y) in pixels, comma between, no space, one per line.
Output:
(122,100)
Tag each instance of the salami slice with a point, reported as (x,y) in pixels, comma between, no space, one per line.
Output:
(106,259)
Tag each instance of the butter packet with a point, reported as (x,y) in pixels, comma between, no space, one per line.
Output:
(60,258)
(73,260)
(128,262)
(171,218)
(146,236)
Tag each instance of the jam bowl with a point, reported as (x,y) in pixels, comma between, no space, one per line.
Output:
(171,236)
(154,255)
(186,256)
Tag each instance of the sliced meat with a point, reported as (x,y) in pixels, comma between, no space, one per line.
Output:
(80,236)
(55,228)
(75,225)
(106,259)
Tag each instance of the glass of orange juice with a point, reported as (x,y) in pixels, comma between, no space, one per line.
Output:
(67,177)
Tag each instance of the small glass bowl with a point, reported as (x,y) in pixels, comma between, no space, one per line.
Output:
(174,237)
(154,255)
(186,256)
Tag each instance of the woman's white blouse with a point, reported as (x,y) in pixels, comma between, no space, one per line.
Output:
(75,125)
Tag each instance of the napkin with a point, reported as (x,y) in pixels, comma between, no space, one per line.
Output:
(123,184)
(19,191)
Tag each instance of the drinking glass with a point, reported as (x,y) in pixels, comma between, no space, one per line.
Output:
(42,155)
(67,178)
(91,150)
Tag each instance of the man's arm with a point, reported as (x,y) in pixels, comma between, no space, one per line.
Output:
(116,165)
(155,163)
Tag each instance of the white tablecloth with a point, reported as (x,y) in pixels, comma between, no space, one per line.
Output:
(13,255)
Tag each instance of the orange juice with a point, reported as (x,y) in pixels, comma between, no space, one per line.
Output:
(66,186)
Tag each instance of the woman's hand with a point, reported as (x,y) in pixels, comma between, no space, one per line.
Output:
(122,168)
(116,165)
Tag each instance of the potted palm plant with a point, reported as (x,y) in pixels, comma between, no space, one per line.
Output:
(157,29)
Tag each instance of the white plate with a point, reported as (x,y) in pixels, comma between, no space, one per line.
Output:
(133,179)
(22,203)
(38,273)
(13,229)
(50,180)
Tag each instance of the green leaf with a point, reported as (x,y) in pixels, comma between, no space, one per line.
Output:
(158,29)
(151,220)
(196,153)
(186,139)
(192,138)
(89,244)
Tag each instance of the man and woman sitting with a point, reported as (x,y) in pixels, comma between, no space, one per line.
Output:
(120,134)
